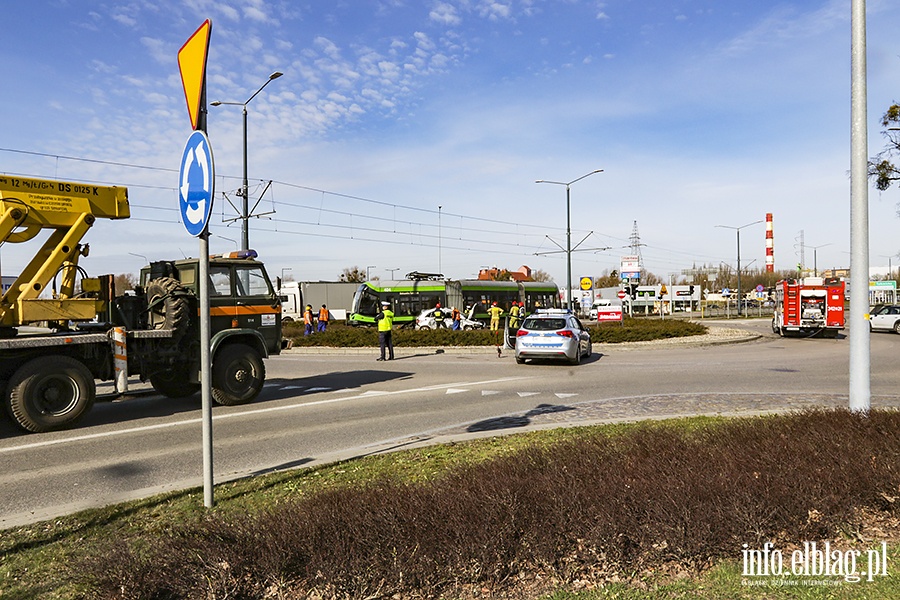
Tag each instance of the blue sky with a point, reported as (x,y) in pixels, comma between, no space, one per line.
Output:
(700,112)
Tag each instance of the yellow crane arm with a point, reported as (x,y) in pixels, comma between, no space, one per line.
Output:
(29,206)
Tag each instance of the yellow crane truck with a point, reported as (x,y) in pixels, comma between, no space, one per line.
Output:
(56,342)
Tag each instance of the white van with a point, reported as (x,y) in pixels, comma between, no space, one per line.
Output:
(597,304)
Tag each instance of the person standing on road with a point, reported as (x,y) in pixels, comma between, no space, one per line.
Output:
(323,319)
(385,320)
(308,319)
(495,311)
(456,318)
(438,316)
(514,315)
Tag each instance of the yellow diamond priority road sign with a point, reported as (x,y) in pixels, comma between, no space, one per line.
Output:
(192,64)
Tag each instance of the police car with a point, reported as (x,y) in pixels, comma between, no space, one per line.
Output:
(552,334)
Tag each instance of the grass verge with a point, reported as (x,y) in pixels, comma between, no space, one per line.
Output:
(649,510)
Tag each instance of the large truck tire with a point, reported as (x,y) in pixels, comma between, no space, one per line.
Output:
(171,313)
(49,393)
(174,384)
(238,375)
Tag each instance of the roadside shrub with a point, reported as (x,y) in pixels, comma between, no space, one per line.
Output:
(644,330)
(343,336)
(577,511)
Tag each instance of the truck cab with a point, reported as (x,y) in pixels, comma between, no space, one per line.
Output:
(241,296)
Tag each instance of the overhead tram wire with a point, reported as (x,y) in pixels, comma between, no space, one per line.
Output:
(395,206)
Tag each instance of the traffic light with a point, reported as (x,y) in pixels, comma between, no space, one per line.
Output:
(692,290)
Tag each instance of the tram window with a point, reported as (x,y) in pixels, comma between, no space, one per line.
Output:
(368,304)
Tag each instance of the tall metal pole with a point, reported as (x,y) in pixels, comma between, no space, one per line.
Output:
(439,239)
(245,205)
(568,248)
(860,367)
(738,229)
(245,192)
(206,426)
(569,231)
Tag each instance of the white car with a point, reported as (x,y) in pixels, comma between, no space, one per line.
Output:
(885,318)
(553,334)
(602,302)
(425,320)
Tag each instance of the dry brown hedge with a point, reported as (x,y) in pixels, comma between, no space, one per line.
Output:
(652,495)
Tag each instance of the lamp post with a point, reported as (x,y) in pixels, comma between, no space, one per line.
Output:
(367,272)
(815,260)
(738,230)
(569,231)
(439,238)
(228,239)
(245,232)
(392,272)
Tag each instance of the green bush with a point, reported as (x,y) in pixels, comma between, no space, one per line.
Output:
(343,336)
(644,330)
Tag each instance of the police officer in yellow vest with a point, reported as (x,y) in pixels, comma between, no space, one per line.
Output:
(385,321)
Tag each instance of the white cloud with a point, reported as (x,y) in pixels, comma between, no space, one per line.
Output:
(444,14)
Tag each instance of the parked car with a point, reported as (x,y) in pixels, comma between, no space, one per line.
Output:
(554,334)
(885,317)
(425,320)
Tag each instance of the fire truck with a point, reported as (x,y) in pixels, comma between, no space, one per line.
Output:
(810,306)
(57,340)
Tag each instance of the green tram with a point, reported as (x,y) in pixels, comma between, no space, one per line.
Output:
(409,297)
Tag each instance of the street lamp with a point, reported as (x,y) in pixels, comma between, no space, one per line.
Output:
(738,230)
(245,232)
(392,272)
(228,239)
(439,239)
(367,272)
(815,261)
(569,231)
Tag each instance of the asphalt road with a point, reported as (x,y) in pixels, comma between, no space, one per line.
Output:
(320,407)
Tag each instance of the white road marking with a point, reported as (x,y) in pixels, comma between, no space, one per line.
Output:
(565,395)
(526,394)
(455,391)
(250,411)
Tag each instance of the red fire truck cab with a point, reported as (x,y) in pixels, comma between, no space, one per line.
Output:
(809,306)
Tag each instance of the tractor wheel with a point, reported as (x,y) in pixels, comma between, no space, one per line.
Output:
(167,311)
(238,375)
(50,392)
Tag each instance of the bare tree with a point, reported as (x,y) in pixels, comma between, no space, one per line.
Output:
(124,281)
(882,168)
(353,275)
(538,275)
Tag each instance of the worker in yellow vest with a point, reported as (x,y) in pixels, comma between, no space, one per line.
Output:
(495,312)
(514,315)
(385,320)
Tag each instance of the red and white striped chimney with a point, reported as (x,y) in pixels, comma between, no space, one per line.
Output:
(770,245)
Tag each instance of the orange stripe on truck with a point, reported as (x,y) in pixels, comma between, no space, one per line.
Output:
(230,311)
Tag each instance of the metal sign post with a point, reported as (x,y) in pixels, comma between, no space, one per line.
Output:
(196,191)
